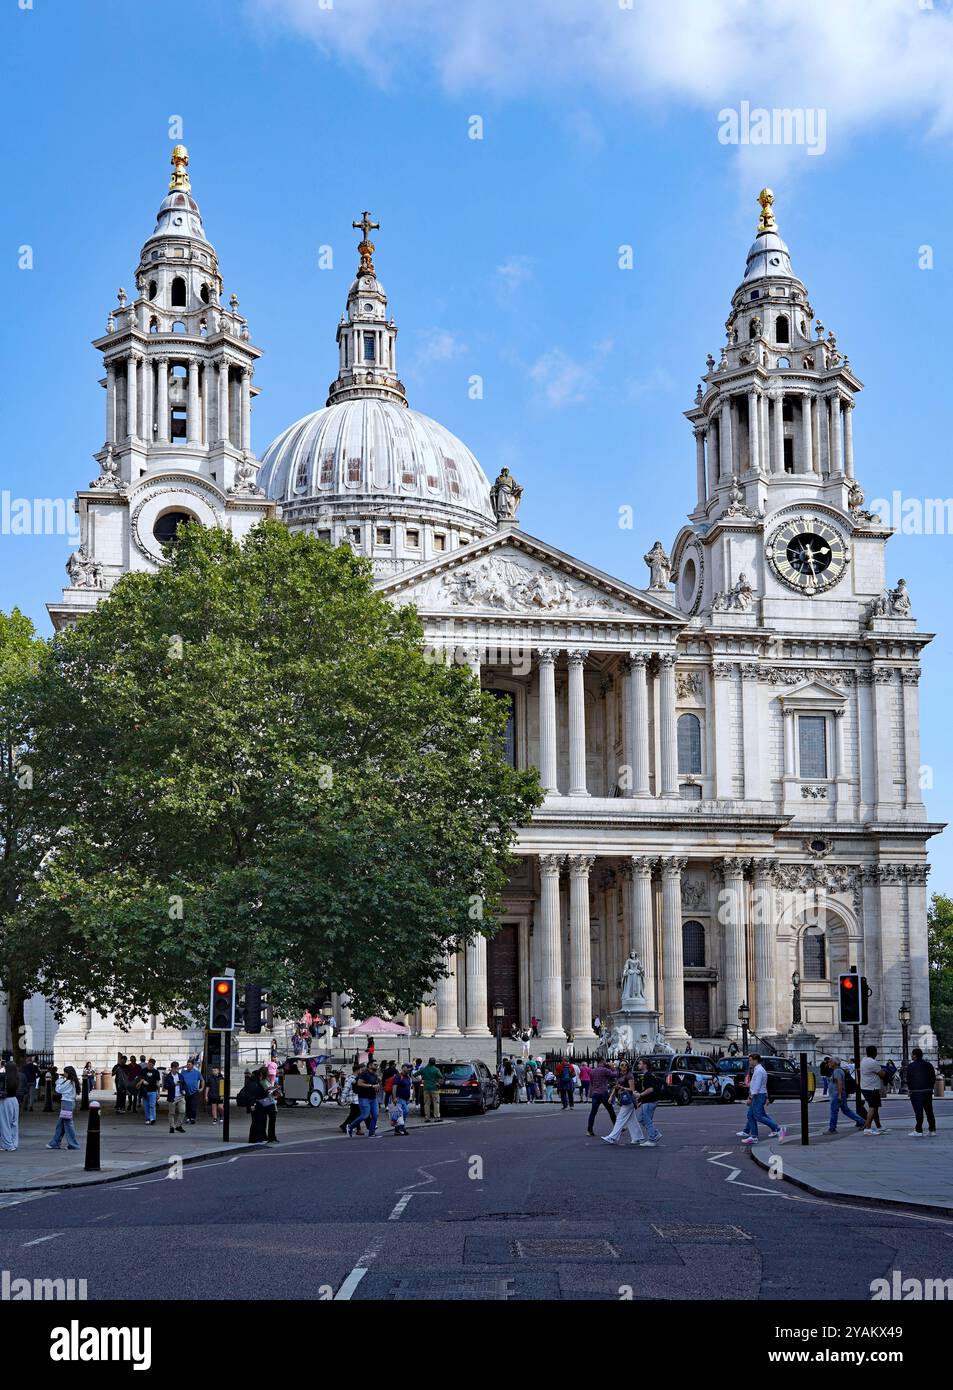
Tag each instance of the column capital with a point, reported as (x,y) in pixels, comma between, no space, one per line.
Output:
(632,660)
(638,866)
(722,670)
(550,864)
(763,867)
(577,656)
(667,660)
(546,656)
(161,361)
(672,867)
(732,867)
(580,864)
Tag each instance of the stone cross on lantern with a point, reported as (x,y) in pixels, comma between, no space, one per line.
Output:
(366,247)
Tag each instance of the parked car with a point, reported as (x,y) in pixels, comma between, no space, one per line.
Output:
(468,1086)
(735,1072)
(686,1078)
(784,1078)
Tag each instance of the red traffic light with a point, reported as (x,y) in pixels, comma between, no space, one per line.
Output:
(847,984)
(222,987)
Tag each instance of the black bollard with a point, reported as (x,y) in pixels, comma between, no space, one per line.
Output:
(92,1138)
(84,1103)
(48,1104)
(805,1127)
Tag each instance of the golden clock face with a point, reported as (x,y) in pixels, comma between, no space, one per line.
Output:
(808,555)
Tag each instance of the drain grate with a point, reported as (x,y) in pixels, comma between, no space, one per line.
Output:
(582,1249)
(460,1290)
(683,1231)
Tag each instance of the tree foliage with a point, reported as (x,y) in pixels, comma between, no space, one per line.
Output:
(940,924)
(252,760)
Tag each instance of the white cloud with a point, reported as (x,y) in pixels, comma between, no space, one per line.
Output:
(512,274)
(560,379)
(433,345)
(863,61)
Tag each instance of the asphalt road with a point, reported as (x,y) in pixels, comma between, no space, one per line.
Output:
(517,1204)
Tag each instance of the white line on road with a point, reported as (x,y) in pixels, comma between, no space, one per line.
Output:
(402,1204)
(41,1239)
(350,1283)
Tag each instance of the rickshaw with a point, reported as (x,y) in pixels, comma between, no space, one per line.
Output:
(300,1080)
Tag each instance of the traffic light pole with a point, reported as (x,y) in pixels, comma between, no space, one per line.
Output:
(805,1124)
(858,1097)
(227,1059)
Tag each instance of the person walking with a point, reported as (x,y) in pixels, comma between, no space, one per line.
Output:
(825,1071)
(921,1079)
(565,1084)
(628,1118)
(757,1100)
(67,1088)
(9,1108)
(150,1079)
(29,1076)
(366,1085)
(349,1098)
(601,1080)
(871,1078)
(401,1093)
(264,1113)
(132,1076)
(175,1095)
(549,1081)
(214,1093)
(431,1077)
(837,1092)
(119,1080)
(192,1082)
(507,1080)
(650,1087)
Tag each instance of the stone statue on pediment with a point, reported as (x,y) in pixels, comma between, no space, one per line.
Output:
(505,496)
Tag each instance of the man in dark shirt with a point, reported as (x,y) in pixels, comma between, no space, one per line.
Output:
(651,1087)
(365,1087)
(601,1079)
(28,1076)
(148,1084)
(921,1078)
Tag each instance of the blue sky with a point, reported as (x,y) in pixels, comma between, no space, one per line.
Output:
(500,255)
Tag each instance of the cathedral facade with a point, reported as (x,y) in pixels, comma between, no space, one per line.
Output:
(730,754)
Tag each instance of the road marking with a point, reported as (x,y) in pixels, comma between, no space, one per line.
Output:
(404,1201)
(733,1176)
(350,1283)
(41,1239)
(105,1217)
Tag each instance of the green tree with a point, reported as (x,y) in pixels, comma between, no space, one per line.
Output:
(252,760)
(940,924)
(22,820)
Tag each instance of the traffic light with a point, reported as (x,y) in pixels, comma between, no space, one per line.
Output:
(852,997)
(221,1005)
(253,1003)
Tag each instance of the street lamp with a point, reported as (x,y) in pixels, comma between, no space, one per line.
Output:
(796,997)
(499,1009)
(904,1016)
(744,1018)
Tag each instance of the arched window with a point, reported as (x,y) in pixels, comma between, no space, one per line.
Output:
(782,329)
(178,293)
(178,326)
(689,743)
(204,294)
(752,329)
(152,289)
(153,325)
(815,956)
(693,944)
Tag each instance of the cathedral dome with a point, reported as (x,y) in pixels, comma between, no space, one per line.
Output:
(365,448)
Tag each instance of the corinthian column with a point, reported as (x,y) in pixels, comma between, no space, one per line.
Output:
(477,1025)
(733,916)
(223,425)
(765,1020)
(669,737)
(547,719)
(673,970)
(579,866)
(132,398)
(638,913)
(577,724)
(726,450)
(777,461)
(635,723)
(193,425)
(700,465)
(246,408)
(447,1023)
(551,949)
(754,437)
(162,400)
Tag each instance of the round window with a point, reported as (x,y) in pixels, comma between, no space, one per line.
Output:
(167,526)
(688,581)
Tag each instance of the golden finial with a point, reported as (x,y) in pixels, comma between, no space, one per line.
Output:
(366,247)
(180,165)
(766,222)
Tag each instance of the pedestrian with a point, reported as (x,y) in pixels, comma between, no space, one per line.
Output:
(431,1077)
(650,1087)
(585,1079)
(549,1081)
(132,1076)
(349,1098)
(837,1091)
(28,1079)
(532,1089)
(570,1044)
(871,1079)
(601,1081)
(67,1088)
(825,1070)
(273,1051)
(890,1073)
(175,1095)
(534,1027)
(193,1082)
(366,1085)
(565,1083)
(628,1117)
(9,1108)
(119,1081)
(214,1094)
(150,1079)
(264,1114)
(401,1092)
(757,1100)
(921,1079)
(507,1079)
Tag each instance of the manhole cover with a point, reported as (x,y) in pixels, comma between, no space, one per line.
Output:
(683,1231)
(428,1290)
(583,1249)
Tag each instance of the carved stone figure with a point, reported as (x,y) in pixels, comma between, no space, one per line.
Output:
(109,472)
(245,473)
(502,583)
(633,981)
(84,572)
(505,495)
(738,599)
(660,568)
(900,600)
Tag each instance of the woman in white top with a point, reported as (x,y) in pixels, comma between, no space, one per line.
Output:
(66,1089)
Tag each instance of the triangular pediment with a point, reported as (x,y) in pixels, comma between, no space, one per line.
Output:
(510,573)
(813,692)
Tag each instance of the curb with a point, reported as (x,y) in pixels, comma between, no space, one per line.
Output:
(859,1198)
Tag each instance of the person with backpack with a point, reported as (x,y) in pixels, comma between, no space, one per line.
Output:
(838,1097)
(565,1084)
(921,1079)
(628,1117)
(264,1115)
(349,1098)
(871,1079)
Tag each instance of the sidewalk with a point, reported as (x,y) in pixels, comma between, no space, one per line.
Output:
(892,1170)
(128,1145)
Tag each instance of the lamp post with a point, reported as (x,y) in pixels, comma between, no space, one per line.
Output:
(796,997)
(904,1016)
(498,1011)
(744,1018)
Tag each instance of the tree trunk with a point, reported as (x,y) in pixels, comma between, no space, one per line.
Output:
(15,1007)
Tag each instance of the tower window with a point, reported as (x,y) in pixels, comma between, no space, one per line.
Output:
(354,470)
(167,526)
(439,542)
(152,289)
(178,293)
(689,743)
(382,536)
(178,326)
(413,538)
(693,945)
(355,534)
(789,456)
(327,470)
(204,294)
(301,477)
(368,347)
(153,325)
(782,329)
(815,956)
(179,425)
(752,329)
(812,745)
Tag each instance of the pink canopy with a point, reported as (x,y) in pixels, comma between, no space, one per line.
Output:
(374,1025)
